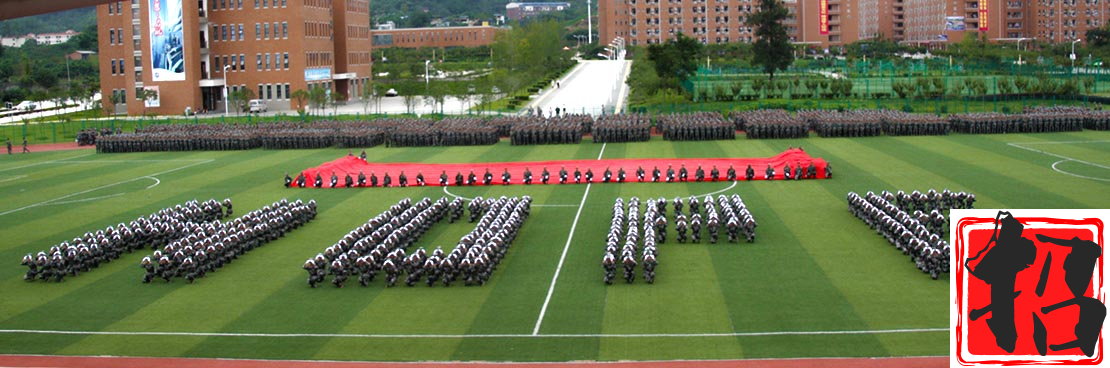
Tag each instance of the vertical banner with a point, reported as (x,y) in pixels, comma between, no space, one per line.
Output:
(983,15)
(167,50)
(823,16)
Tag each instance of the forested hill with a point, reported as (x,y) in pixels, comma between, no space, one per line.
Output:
(76,19)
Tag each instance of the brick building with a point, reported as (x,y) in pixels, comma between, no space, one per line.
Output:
(434,37)
(518,11)
(838,22)
(182,48)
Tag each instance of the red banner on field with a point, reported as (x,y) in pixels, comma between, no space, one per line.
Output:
(983,15)
(823,17)
(353,165)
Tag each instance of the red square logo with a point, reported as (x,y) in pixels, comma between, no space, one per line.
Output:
(1028,287)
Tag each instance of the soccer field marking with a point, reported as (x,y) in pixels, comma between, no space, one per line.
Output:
(1065,158)
(43,163)
(719,191)
(50,201)
(13,178)
(481,336)
(1056,169)
(156,181)
(84,200)
(563,258)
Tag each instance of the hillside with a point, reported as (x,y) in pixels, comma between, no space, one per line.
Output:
(76,19)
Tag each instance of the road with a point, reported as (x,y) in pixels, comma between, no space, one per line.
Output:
(591,87)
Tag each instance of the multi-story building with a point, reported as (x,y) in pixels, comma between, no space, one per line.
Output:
(838,22)
(41,38)
(518,11)
(434,36)
(188,51)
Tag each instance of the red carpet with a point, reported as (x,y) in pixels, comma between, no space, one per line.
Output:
(353,165)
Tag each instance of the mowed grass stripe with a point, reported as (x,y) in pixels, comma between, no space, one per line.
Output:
(1093,151)
(63,295)
(799,280)
(229,289)
(66,172)
(870,259)
(516,302)
(49,293)
(1020,185)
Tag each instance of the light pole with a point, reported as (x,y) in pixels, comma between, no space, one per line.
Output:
(1072,56)
(427,78)
(226,102)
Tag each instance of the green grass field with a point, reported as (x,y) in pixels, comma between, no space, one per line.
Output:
(813,269)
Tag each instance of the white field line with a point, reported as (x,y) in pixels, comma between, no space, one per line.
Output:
(84,200)
(43,163)
(1065,158)
(563,258)
(481,336)
(50,201)
(12,178)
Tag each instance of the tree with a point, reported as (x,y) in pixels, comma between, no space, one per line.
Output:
(240,99)
(676,60)
(365,96)
(318,97)
(147,95)
(772,48)
(300,96)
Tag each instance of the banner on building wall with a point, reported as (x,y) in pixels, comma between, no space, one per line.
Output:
(823,16)
(167,48)
(954,24)
(153,100)
(983,15)
(317,74)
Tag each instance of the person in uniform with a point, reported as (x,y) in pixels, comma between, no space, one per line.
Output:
(487,178)
(640,174)
(607,175)
(683,175)
(655,175)
(386,180)
(319,183)
(9,141)
(402,180)
(373,180)
(288,179)
(458,178)
(699,174)
(545,176)
(361,179)
(419,178)
(334,179)
(589,175)
(714,174)
(527,176)
(301,180)
(749,174)
(620,175)
(563,175)
(348,181)
(443,178)
(506,178)
(471,179)
(670,174)
(770,174)
(577,176)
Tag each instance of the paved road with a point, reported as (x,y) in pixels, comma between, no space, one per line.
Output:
(591,86)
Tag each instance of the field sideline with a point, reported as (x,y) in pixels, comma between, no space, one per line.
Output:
(817,282)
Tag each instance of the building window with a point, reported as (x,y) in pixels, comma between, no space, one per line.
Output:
(266,30)
(286,89)
(286,61)
(282,3)
(256,4)
(138,60)
(121,66)
(240,32)
(223,4)
(223,32)
(260,91)
(267,61)
(259,57)
(284,30)
(113,66)
(257,31)
(269,92)
(240,4)
(111,35)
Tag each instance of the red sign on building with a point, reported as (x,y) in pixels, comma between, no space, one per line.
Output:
(983,15)
(823,17)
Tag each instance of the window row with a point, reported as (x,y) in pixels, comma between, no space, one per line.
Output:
(317,29)
(318,59)
(273,91)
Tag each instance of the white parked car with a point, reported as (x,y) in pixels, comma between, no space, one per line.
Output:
(391,93)
(257,106)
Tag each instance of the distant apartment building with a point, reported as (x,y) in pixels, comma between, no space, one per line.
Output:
(518,11)
(839,22)
(434,37)
(41,38)
(189,50)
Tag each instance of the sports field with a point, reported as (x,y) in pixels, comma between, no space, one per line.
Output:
(817,282)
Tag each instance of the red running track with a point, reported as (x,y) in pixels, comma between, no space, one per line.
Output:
(353,165)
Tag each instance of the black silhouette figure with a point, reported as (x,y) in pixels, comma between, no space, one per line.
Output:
(999,268)
(1091,315)
(1079,265)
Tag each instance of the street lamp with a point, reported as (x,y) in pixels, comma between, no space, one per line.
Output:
(1072,56)
(226,102)
(426,77)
